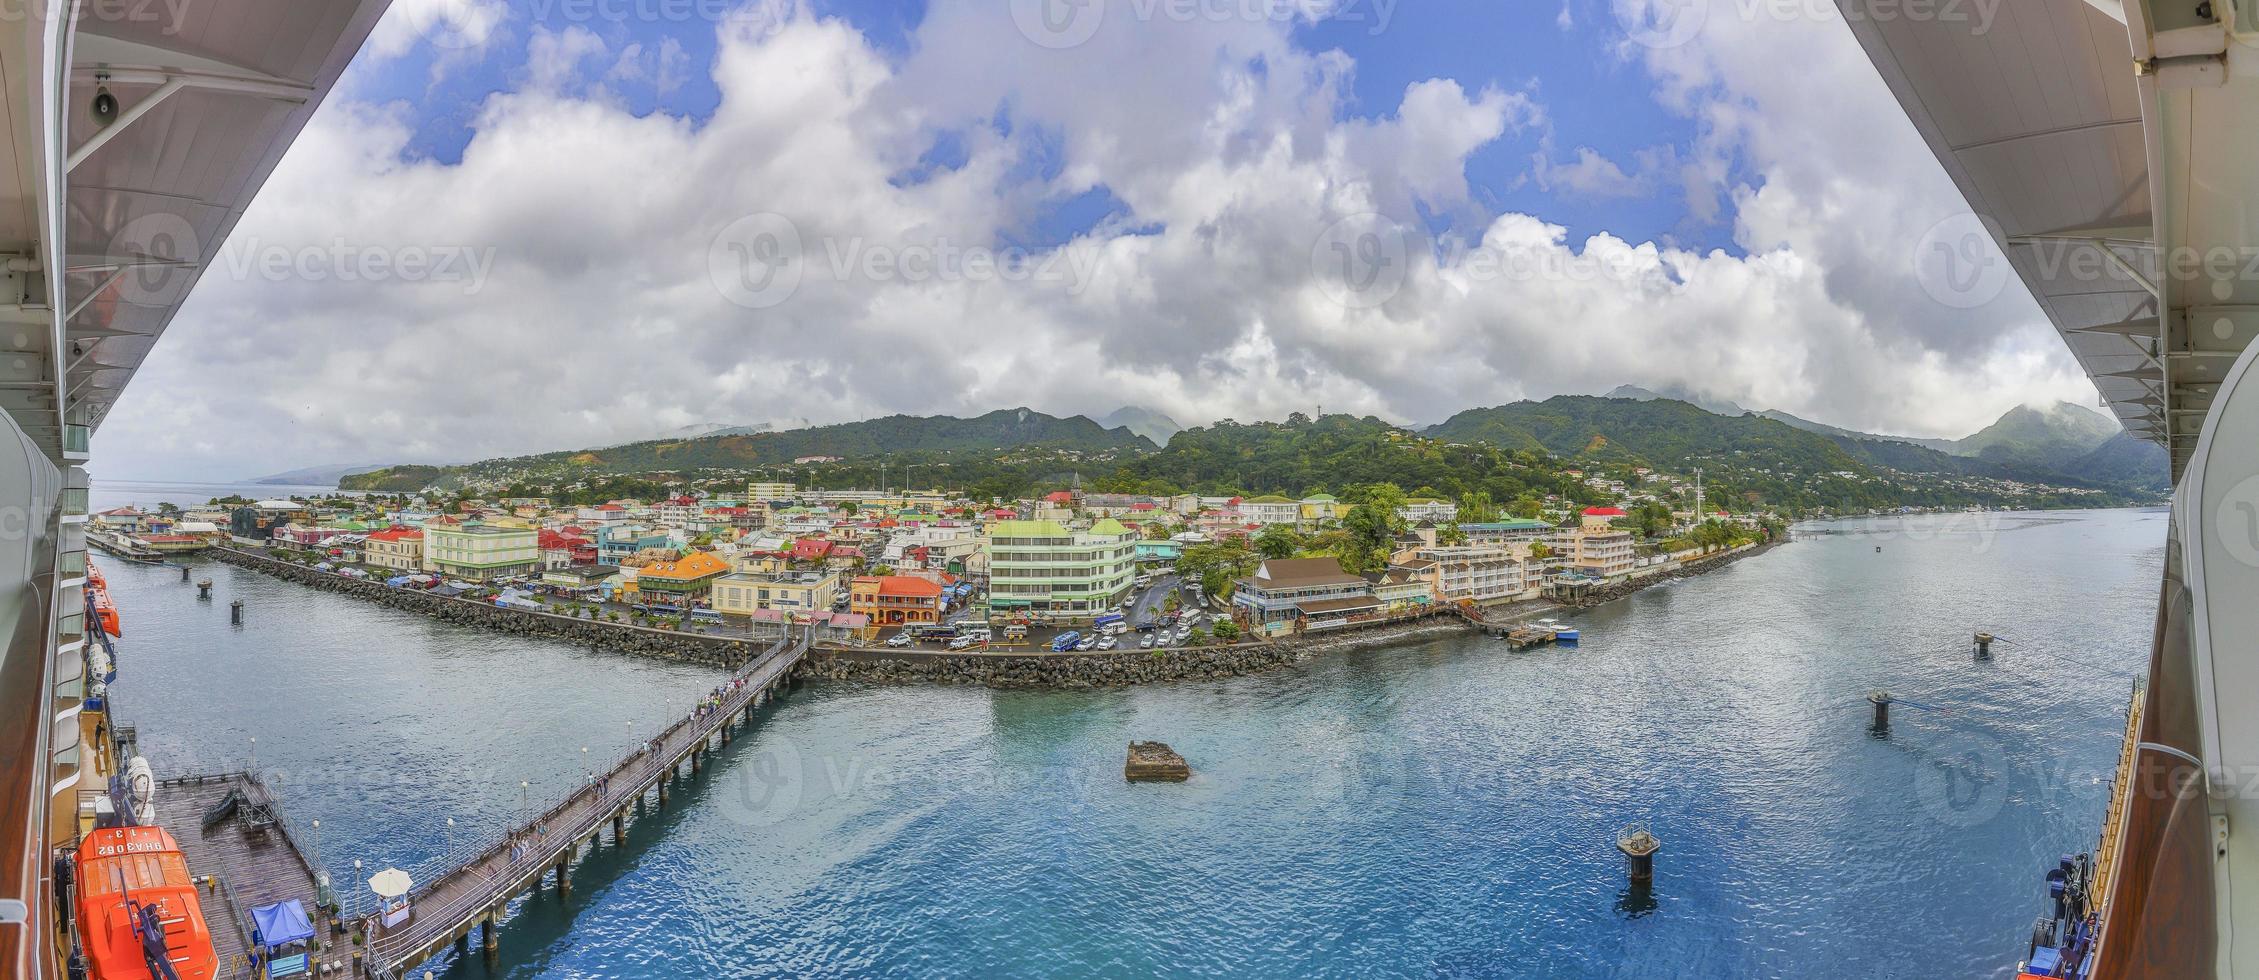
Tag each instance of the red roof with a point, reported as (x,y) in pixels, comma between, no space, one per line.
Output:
(1059,497)
(396,534)
(1603,512)
(548,540)
(811,548)
(904,585)
(1145,506)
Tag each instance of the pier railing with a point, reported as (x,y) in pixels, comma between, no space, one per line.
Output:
(486,873)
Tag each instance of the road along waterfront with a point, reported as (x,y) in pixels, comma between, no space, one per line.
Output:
(1439,806)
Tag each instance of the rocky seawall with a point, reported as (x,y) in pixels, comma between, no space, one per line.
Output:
(619,637)
(1068,670)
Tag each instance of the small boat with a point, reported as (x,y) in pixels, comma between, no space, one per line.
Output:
(1565,634)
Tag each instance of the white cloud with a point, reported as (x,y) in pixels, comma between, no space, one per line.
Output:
(1217,294)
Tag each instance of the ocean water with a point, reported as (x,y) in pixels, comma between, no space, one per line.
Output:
(1438,808)
(147,494)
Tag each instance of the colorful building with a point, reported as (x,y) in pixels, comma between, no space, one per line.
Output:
(691,576)
(478,552)
(895,600)
(397,548)
(796,594)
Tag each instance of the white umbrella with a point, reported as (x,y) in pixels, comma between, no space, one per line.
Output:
(390,883)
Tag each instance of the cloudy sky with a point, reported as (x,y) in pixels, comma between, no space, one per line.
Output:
(597,220)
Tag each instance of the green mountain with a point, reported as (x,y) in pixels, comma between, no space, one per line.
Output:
(1941,445)
(1673,393)
(1759,459)
(1303,456)
(920,437)
(2127,460)
(1143,421)
(2050,436)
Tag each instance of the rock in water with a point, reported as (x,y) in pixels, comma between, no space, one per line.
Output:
(1155,762)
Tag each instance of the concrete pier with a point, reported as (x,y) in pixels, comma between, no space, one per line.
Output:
(1881,701)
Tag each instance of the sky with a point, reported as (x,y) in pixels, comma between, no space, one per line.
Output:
(535,225)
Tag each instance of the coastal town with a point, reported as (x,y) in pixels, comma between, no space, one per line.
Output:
(1067,571)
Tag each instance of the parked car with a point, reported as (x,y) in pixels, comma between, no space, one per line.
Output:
(898,640)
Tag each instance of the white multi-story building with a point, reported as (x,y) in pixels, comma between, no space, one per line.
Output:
(769,492)
(1428,509)
(479,552)
(1473,572)
(1041,566)
(1271,510)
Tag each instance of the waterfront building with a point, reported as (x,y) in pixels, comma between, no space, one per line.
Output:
(792,593)
(1603,553)
(582,580)
(1041,566)
(691,576)
(1295,590)
(895,600)
(478,552)
(1473,572)
(1402,588)
(397,548)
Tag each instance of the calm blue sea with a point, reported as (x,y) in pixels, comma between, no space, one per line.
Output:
(1444,808)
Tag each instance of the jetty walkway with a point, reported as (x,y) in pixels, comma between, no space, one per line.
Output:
(475,893)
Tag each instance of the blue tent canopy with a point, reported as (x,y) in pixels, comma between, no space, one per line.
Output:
(282,923)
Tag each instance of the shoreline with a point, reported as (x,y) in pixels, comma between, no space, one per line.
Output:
(882,665)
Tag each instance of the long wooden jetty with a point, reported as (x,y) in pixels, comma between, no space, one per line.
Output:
(474,894)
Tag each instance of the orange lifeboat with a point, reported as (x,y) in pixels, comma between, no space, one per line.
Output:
(105,611)
(138,914)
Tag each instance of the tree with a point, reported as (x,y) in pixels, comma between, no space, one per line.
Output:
(1278,541)
(1540,551)
(1372,526)
(1450,534)
(1215,566)
(1528,507)
(1227,631)
(1476,508)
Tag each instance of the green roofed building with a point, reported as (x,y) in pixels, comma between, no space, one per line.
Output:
(1042,566)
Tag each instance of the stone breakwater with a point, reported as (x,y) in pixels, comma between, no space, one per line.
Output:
(1611,593)
(637,640)
(1067,670)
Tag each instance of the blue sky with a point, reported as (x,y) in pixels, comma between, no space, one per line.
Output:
(956,215)
(1593,96)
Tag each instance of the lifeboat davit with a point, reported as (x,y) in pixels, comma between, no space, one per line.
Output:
(138,914)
